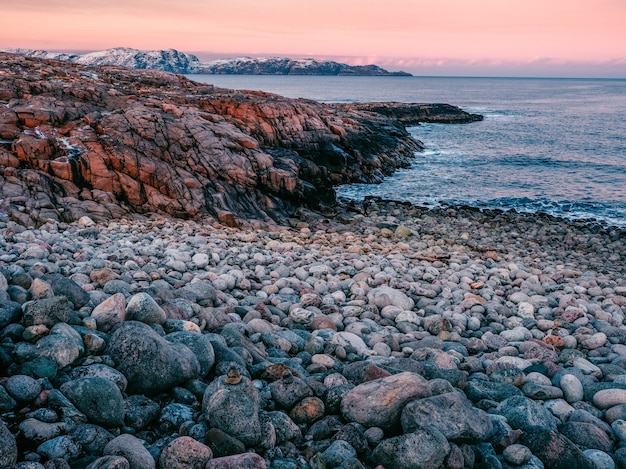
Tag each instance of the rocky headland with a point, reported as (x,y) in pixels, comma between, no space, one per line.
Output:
(108,141)
(143,325)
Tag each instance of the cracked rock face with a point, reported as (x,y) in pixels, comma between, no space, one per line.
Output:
(109,142)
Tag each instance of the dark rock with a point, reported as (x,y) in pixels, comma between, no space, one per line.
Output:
(239,461)
(587,435)
(109,462)
(338,452)
(100,370)
(8,446)
(37,432)
(289,390)
(526,414)
(22,388)
(555,450)
(131,448)
(92,438)
(231,404)
(150,363)
(450,413)
(285,428)
(425,448)
(61,447)
(199,344)
(140,411)
(10,312)
(173,416)
(98,398)
(222,444)
(64,286)
(47,311)
(478,389)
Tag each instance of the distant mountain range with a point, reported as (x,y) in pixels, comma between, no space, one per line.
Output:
(179,62)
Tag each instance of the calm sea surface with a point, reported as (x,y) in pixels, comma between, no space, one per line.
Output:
(552,145)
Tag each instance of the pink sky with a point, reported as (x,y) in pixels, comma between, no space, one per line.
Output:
(584,37)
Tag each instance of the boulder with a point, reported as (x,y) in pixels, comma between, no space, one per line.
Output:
(150,363)
(379,403)
(452,414)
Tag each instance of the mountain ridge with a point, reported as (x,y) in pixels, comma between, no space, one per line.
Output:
(171,60)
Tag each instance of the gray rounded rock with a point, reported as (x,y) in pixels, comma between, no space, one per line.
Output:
(425,448)
(150,363)
(451,413)
(109,462)
(131,448)
(517,454)
(61,447)
(142,307)
(22,388)
(199,344)
(231,404)
(98,398)
(572,388)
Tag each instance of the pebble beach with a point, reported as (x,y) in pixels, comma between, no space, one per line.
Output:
(391,337)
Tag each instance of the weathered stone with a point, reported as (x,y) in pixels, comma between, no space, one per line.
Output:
(555,450)
(142,307)
(110,312)
(98,398)
(131,448)
(8,446)
(239,461)
(425,449)
(450,413)
(233,407)
(183,453)
(379,403)
(150,363)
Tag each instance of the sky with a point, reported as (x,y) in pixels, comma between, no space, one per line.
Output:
(578,38)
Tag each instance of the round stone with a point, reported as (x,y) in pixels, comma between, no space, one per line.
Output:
(609,397)
(572,388)
(517,454)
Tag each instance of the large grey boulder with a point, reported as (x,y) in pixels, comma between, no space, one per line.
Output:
(150,363)
(452,414)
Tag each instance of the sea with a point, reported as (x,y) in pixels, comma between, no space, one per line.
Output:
(545,145)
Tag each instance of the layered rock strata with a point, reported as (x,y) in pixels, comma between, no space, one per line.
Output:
(109,141)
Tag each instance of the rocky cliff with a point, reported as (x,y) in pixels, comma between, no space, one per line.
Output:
(110,141)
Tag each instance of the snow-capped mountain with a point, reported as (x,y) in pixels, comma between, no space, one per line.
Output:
(286,66)
(169,60)
(174,61)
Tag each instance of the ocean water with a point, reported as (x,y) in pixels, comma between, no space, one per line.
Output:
(551,145)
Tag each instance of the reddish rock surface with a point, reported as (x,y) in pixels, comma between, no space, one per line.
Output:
(109,141)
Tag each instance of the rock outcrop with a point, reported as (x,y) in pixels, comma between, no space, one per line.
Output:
(110,141)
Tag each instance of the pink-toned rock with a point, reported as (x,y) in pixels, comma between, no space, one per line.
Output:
(238,461)
(110,312)
(184,453)
(379,403)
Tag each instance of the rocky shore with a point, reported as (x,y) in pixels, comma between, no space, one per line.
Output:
(407,338)
(109,141)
